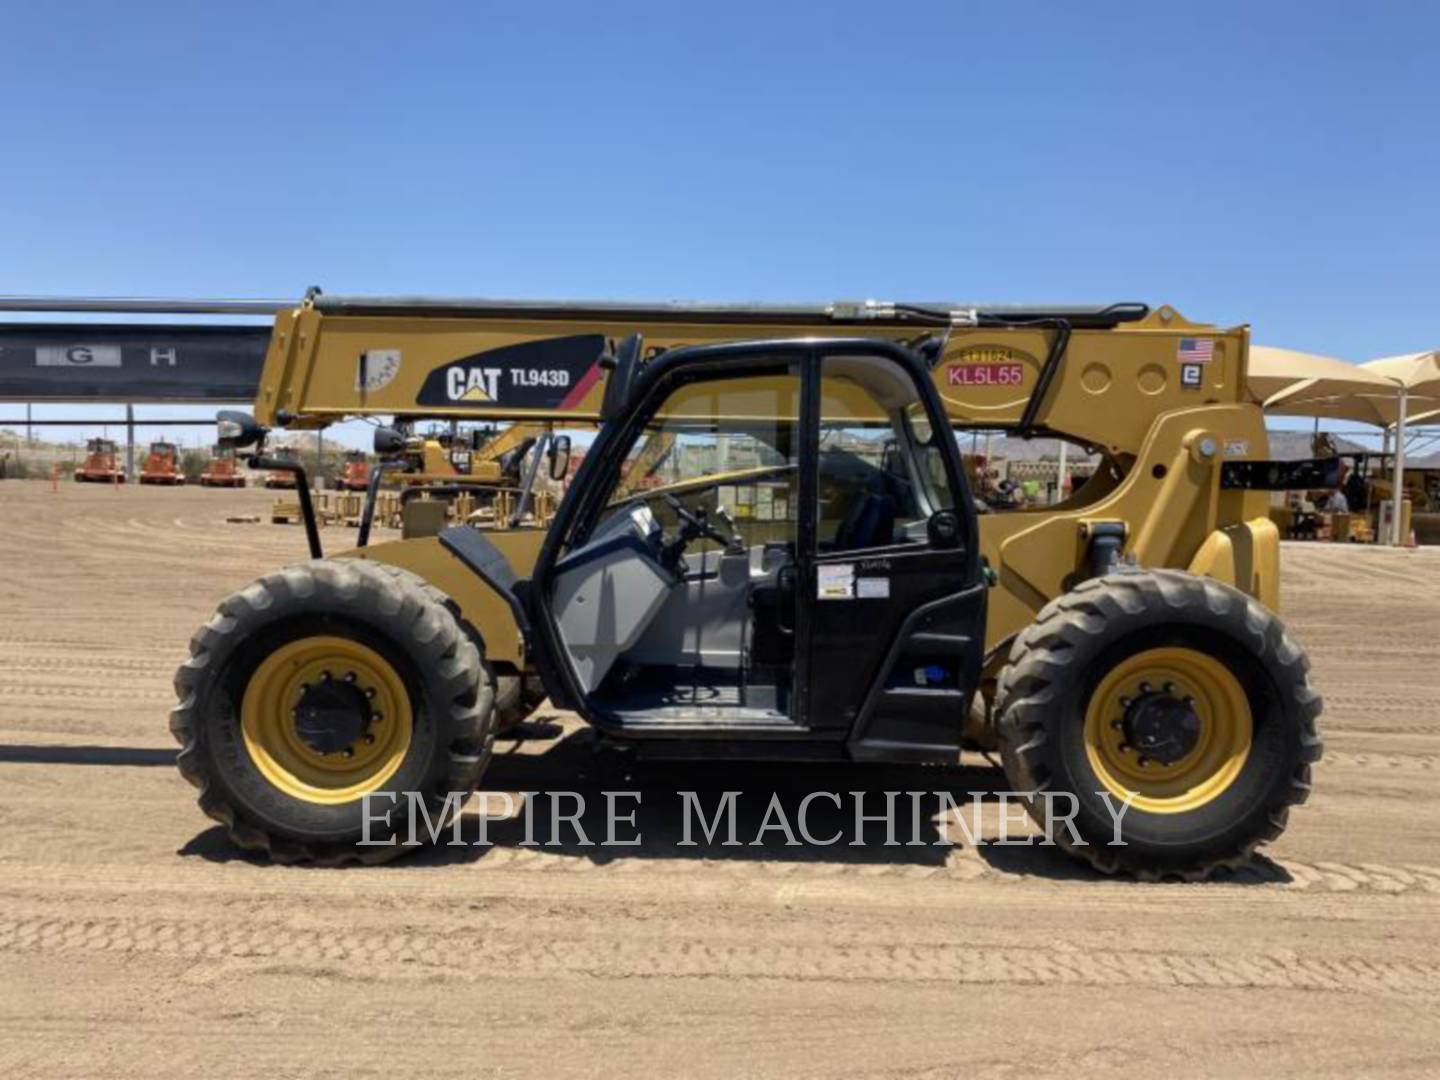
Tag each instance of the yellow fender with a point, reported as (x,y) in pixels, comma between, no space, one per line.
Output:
(1247,556)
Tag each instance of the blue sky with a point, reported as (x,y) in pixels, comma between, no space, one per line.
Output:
(1268,163)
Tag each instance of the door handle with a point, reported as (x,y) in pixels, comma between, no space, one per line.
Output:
(785,608)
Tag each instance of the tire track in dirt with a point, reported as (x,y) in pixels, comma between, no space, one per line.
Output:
(960,865)
(107,691)
(471,955)
(1381,702)
(92,666)
(1407,763)
(969,865)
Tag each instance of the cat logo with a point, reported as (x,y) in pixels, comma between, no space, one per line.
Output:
(472,384)
(549,373)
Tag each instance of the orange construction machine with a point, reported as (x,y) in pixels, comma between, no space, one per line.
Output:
(223,470)
(101,464)
(276,478)
(354,474)
(162,465)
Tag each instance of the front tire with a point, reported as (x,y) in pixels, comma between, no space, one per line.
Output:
(323,684)
(1172,697)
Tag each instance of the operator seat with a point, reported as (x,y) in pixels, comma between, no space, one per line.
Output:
(870,523)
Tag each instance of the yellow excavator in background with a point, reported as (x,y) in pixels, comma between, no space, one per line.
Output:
(482,455)
(811,579)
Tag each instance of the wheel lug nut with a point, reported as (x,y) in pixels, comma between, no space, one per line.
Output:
(326,676)
(1144,761)
(1144,688)
(1124,703)
(1125,747)
(1169,688)
(1117,724)
(349,751)
(369,740)
(369,691)
(350,676)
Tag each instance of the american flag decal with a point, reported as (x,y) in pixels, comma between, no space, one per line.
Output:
(1195,350)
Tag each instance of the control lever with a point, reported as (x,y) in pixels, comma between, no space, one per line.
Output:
(735,545)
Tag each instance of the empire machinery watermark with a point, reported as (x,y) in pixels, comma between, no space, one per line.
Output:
(610,819)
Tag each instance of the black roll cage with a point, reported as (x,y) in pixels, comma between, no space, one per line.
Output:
(652,385)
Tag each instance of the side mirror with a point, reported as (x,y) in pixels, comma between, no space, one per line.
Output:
(943,529)
(388,442)
(559,457)
(237,429)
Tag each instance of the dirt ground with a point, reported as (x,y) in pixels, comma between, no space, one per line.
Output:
(134,942)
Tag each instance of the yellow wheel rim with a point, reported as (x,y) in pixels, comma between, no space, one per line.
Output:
(1220,707)
(270,720)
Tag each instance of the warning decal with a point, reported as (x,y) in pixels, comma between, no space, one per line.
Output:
(987,365)
(835,581)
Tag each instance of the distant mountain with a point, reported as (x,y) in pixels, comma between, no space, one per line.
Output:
(1296,445)
(1003,448)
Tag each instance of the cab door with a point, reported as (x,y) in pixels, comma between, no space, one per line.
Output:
(892,602)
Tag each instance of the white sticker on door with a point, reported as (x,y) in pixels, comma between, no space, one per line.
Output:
(872,588)
(835,581)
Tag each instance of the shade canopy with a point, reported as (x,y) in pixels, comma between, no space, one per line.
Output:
(1418,373)
(1291,383)
(1388,392)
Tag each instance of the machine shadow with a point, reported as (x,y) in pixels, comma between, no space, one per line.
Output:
(579,773)
(668,826)
(25,754)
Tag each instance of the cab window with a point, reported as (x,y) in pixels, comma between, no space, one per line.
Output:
(727,446)
(881,475)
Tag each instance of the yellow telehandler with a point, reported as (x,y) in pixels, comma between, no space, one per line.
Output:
(807,578)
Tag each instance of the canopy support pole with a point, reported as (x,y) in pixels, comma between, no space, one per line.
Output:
(1398,494)
(1060,471)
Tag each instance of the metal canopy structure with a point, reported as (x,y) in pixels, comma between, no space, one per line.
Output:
(1389,393)
(1418,377)
(130,362)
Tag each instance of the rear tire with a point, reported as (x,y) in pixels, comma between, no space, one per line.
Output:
(1195,644)
(259,774)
